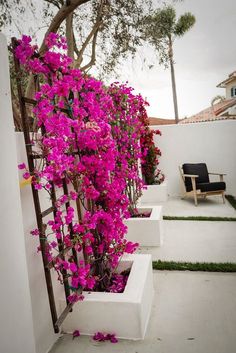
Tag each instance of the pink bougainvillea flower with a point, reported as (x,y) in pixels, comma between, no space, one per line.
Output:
(34,232)
(73,267)
(53,244)
(26,175)
(73,195)
(99,336)
(73,298)
(131,247)
(102,337)
(76,333)
(22,166)
(91,283)
(37,186)
(112,338)
(118,283)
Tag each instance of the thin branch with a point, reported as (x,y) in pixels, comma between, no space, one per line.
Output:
(60,16)
(75,45)
(93,55)
(91,35)
(53,2)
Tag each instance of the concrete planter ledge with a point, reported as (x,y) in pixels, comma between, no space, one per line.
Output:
(124,314)
(146,231)
(154,194)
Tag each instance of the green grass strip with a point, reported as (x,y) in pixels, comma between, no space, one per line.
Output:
(231,200)
(194,266)
(200,218)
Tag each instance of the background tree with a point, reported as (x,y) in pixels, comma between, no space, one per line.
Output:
(161,29)
(217,99)
(100,33)
(97,31)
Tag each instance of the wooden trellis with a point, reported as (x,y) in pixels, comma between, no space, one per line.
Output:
(39,213)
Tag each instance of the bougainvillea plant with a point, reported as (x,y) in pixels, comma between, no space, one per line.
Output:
(127,130)
(77,145)
(150,153)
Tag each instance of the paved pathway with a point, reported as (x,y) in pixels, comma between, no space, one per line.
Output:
(192,313)
(211,206)
(193,241)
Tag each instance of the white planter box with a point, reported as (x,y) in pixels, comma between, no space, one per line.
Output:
(146,231)
(154,194)
(124,314)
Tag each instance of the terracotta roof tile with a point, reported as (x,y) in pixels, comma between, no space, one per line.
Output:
(159,121)
(216,112)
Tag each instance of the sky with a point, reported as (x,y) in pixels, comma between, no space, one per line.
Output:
(204,56)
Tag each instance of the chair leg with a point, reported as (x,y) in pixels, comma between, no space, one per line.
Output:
(194,190)
(223,197)
(195,198)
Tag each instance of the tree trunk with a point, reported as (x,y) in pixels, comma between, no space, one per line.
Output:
(70,35)
(60,16)
(173,80)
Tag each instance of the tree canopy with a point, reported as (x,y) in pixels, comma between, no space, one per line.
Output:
(160,29)
(98,32)
(161,26)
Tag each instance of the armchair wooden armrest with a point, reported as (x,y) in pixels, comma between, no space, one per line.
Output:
(221,175)
(217,173)
(190,175)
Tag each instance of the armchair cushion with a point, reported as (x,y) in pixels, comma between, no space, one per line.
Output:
(215,186)
(199,169)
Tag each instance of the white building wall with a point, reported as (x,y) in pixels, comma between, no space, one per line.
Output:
(213,143)
(228,89)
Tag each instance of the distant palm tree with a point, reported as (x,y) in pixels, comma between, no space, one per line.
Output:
(160,29)
(217,99)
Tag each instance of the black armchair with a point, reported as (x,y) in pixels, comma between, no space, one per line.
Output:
(197,183)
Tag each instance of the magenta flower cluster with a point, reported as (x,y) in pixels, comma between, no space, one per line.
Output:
(102,337)
(99,336)
(127,129)
(90,141)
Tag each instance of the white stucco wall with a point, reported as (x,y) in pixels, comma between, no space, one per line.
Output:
(43,329)
(25,318)
(213,143)
(16,321)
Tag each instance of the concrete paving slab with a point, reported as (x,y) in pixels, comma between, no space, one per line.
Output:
(192,313)
(196,241)
(211,206)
